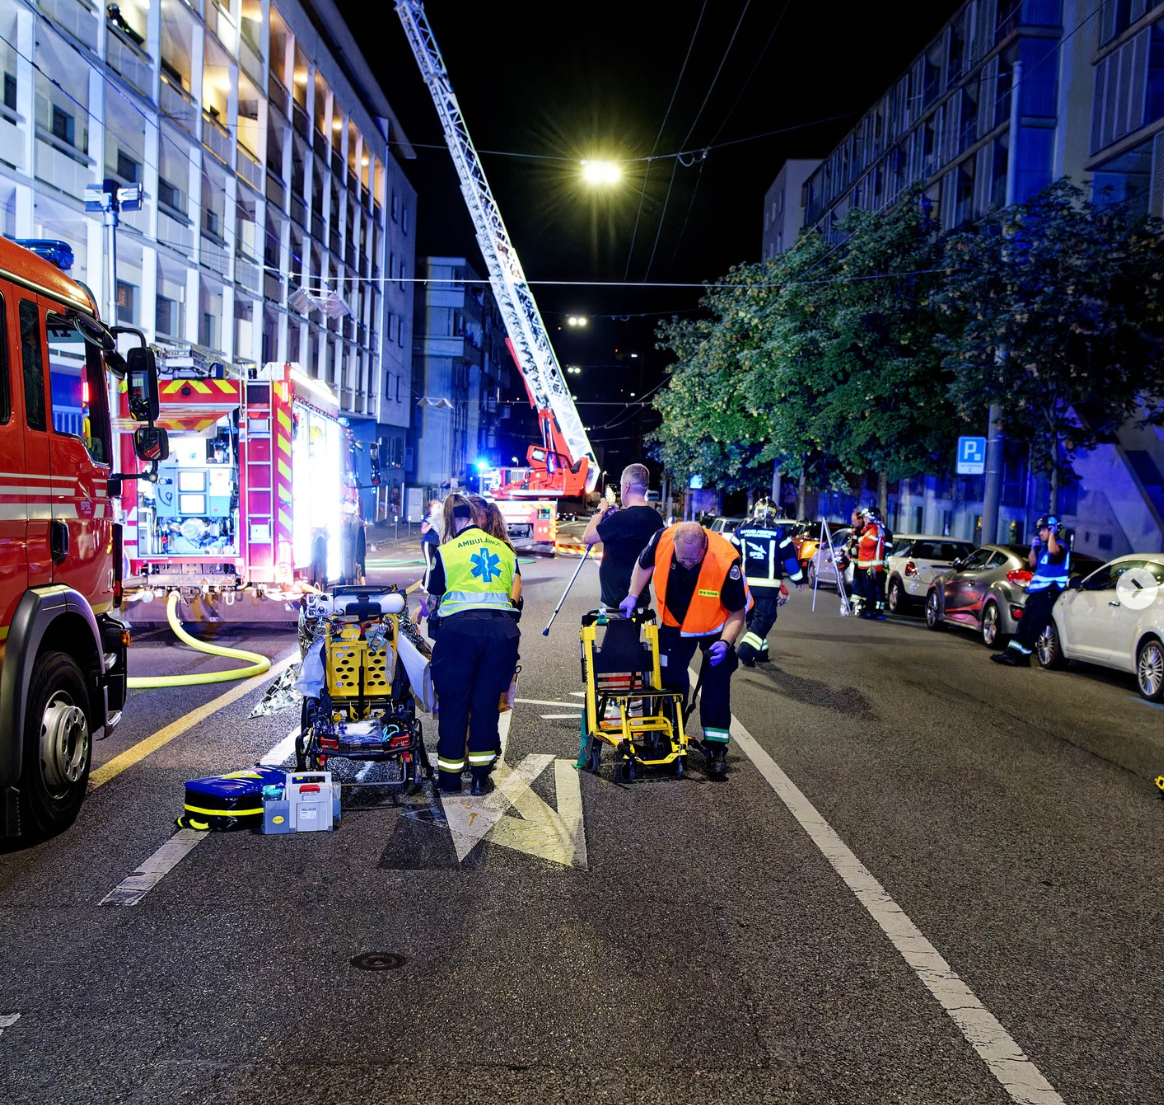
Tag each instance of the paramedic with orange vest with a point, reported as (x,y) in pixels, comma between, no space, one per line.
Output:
(703,602)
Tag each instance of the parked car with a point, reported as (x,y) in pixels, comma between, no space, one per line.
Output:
(725,523)
(821,571)
(1103,621)
(987,590)
(914,561)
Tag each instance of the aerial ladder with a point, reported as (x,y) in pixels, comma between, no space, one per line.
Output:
(564,464)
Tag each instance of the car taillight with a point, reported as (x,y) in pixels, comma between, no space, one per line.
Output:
(911,569)
(1019,575)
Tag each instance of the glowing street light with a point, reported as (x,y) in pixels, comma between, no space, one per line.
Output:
(601,172)
(574,370)
(577,320)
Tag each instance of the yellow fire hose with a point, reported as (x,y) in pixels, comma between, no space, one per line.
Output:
(257,664)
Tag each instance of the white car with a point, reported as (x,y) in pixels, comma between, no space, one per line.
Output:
(913,562)
(1115,618)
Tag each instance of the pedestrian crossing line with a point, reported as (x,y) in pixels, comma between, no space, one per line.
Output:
(558,717)
(547,702)
(1020,1077)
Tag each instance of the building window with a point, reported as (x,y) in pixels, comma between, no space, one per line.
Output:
(169,195)
(403,274)
(400,334)
(10,91)
(207,336)
(1154,100)
(999,159)
(395,206)
(126,303)
(63,126)
(165,316)
(404,218)
(127,168)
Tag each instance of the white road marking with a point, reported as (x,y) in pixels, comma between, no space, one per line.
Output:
(1021,1079)
(547,702)
(7,1020)
(281,751)
(131,890)
(578,694)
(558,717)
(554,835)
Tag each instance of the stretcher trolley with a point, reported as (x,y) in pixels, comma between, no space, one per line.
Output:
(358,702)
(626,706)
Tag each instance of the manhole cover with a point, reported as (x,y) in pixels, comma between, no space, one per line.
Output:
(378,961)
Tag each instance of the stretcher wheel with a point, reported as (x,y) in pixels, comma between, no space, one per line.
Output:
(626,771)
(594,756)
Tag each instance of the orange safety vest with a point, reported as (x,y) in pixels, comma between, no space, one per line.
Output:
(706,613)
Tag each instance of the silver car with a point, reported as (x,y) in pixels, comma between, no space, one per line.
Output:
(821,570)
(988,590)
(914,561)
(1114,618)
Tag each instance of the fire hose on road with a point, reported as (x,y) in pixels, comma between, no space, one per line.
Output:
(256,664)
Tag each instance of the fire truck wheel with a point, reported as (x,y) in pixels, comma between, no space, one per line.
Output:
(58,745)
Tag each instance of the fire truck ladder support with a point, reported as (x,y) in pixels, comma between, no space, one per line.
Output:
(535,357)
(257,664)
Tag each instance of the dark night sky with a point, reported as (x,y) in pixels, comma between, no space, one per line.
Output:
(560,82)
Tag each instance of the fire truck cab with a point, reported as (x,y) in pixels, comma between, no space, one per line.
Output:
(62,648)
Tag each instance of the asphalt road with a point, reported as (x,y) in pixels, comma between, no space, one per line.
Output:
(920,884)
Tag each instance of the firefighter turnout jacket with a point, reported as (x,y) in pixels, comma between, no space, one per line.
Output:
(871,547)
(768,555)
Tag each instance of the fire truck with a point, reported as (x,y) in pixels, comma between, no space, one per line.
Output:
(258,499)
(564,463)
(62,646)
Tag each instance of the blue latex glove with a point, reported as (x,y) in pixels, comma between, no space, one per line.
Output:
(717,652)
(628,606)
(422,610)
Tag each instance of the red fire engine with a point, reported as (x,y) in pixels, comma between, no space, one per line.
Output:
(258,495)
(62,649)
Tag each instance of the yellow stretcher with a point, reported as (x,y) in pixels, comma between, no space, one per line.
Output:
(626,706)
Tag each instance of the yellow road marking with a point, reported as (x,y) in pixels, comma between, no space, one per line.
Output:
(144,748)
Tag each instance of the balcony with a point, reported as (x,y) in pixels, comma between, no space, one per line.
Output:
(276,193)
(216,138)
(278,95)
(249,168)
(133,63)
(249,61)
(272,287)
(74,16)
(298,209)
(176,103)
(246,275)
(299,121)
(174,233)
(11,143)
(67,170)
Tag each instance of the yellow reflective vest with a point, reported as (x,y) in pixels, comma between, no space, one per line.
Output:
(479,571)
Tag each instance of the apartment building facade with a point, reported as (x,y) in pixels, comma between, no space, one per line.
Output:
(277,223)
(462,368)
(1010,96)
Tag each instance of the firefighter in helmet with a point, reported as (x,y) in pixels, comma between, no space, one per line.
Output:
(868,578)
(1050,561)
(768,555)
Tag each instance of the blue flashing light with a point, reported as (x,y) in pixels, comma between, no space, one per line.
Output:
(483,464)
(54,252)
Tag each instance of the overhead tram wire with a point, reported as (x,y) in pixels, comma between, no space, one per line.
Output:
(723,123)
(659,137)
(691,131)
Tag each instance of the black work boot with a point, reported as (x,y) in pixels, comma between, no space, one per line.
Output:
(449,782)
(717,764)
(1012,658)
(482,785)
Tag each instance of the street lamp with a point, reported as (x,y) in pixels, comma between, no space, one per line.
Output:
(577,320)
(601,172)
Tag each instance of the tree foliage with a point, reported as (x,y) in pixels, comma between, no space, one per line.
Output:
(874,354)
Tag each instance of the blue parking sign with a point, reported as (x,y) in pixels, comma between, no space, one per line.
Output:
(971,456)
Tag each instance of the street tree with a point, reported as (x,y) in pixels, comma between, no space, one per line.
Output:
(1056,312)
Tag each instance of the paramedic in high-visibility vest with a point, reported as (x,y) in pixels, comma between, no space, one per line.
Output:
(703,602)
(1050,561)
(471,583)
(768,555)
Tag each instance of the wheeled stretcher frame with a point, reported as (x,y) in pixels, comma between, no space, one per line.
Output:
(365,708)
(623,679)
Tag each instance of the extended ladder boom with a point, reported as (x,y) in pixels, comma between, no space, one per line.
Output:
(531,344)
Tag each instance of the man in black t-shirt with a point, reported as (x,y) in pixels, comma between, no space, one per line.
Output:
(624,534)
